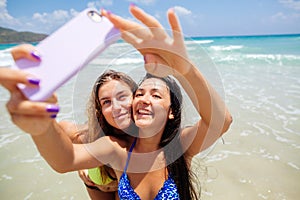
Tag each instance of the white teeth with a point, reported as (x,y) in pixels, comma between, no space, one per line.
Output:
(144,112)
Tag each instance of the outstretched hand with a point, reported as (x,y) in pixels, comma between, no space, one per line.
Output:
(164,55)
(25,113)
(9,78)
(32,117)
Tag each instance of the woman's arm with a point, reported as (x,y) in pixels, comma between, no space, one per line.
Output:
(37,118)
(215,117)
(165,55)
(53,143)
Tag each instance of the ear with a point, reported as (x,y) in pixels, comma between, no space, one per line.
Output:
(171,116)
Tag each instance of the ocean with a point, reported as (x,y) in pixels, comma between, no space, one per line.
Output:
(259,79)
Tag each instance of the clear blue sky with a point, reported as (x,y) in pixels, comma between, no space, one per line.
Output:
(198,17)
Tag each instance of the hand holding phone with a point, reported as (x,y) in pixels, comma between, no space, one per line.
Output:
(66,51)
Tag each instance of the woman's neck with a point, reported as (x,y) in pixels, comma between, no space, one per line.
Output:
(148,144)
(126,134)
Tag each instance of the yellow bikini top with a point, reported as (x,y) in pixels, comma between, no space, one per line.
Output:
(100,176)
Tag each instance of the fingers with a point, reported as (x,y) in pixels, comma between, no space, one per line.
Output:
(130,38)
(83,174)
(25,51)
(157,66)
(17,105)
(36,109)
(143,17)
(34,125)
(10,77)
(53,99)
(125,25)
(118,21)
(155,27)
(175,25)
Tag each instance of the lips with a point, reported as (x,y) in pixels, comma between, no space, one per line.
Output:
(120,115)
(144,112)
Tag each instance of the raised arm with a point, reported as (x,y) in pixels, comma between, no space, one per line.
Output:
(52,139)
(165,55)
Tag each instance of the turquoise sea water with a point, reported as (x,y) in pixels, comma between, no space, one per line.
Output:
(259,78)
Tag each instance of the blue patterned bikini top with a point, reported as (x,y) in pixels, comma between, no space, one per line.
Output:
(126,192)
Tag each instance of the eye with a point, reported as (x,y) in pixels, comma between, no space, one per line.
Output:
(138,95)
(156,96)
(105,102)
(123,97)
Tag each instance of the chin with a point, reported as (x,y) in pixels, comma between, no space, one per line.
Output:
(124,124)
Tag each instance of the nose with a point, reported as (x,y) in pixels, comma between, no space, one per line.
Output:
(116,104)
(145,99)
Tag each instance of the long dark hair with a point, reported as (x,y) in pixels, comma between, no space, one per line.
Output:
(98,126)
(170,142)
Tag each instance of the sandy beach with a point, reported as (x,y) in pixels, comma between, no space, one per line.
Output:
(260,155)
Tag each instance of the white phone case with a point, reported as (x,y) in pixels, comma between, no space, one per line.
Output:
(66,51)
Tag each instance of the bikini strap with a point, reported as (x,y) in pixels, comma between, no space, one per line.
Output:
(129,154)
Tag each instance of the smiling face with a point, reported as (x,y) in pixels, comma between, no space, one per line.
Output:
(151,106)
(115,98)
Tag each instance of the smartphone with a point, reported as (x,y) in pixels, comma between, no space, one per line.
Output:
(66,51)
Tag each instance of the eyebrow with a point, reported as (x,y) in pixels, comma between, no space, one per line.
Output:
(104,98)
(156,87)
(152,90)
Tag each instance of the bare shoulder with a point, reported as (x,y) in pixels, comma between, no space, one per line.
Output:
(114,144)
(107,146)
(119,148)
(117,142)
(68,126)
(75,131)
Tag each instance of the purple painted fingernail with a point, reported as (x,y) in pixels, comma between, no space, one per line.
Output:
(53,116)
(36,55)
(52,108)
(33,81)
(132,4)
(109,12)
